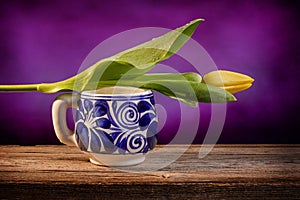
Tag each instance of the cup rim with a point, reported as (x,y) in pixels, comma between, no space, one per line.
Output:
(116,91)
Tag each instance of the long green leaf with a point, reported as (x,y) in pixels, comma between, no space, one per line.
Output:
(186,87)
(132,62)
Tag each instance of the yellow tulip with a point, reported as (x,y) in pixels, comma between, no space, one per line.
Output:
(233,82)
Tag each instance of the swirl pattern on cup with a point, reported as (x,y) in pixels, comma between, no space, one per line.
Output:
(124,125)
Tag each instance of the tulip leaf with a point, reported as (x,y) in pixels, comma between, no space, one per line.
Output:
(186,87)
(131,62)
(146,55)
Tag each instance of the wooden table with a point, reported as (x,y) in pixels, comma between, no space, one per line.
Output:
(228,172)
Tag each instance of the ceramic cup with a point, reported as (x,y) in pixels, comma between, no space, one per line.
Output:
(115,126)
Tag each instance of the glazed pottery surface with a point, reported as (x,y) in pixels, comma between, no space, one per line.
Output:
(115,126)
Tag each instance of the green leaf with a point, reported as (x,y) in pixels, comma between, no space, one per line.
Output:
(148,54)
(186,87)
(132,62)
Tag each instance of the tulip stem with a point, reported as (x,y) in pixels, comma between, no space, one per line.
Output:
(19,88)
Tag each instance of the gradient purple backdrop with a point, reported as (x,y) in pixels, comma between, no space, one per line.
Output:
(46,41)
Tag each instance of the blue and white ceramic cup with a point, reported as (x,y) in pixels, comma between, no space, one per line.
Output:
(115,126)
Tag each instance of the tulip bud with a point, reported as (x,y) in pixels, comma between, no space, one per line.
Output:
(231,81)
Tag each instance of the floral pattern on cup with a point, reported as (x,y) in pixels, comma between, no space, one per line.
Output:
(120,125)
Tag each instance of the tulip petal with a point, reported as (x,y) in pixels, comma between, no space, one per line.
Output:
(223,78)
(237,88)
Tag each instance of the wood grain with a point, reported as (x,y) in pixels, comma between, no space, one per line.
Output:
(228,172)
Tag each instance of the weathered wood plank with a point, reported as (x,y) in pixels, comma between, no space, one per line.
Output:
(229,171)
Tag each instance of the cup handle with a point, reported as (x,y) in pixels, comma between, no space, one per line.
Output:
(59,118)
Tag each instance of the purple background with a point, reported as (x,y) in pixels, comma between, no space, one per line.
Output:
(46,41)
